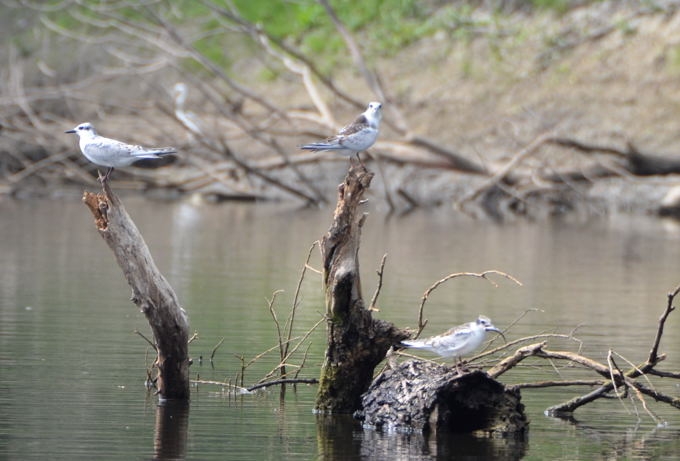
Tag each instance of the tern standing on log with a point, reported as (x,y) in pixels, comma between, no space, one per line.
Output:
(355,137)
(111,153)
(458,341)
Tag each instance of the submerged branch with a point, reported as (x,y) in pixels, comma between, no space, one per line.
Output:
(613,377)
(283,381)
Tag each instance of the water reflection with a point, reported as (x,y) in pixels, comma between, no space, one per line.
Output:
(71,382)
(172,424)
(341,437)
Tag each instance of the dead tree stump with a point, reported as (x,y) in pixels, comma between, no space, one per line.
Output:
(425,397)
(356,341)
(150,291)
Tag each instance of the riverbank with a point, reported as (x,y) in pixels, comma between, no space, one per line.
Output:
(483,88)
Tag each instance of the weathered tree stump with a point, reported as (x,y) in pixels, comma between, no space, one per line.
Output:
(425,397)
(150,291)
(356,341)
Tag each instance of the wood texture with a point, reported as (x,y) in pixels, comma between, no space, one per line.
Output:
(429,398)
(150,292)
(356,341)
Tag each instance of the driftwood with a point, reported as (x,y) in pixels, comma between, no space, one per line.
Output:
(427,397)
(613,381)
(150,291)
(356,341)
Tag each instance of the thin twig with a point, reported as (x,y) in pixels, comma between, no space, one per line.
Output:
(642,400)
(483,275)
(212,354)
(380,271)
(564,383)
(297,346)
(279,336)
(239,389)
(303,362)
(662,321)
(502,173)
(146,339)
(283,381)
(296,298)
(612,377)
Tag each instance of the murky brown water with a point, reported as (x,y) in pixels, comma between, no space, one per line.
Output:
(72,370)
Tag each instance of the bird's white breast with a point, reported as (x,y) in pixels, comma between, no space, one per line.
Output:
(361,140)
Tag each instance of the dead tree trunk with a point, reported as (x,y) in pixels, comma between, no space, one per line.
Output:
(356,341)
(150,291)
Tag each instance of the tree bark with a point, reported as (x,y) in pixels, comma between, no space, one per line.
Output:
(429,398)
(356,341)
(150,291)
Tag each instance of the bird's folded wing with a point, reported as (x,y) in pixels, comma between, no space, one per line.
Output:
(357,125)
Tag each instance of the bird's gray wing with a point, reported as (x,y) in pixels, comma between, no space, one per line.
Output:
(337,142)
(357,125)
(456,337)
(107,148)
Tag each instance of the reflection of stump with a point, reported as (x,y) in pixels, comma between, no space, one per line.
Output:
(356,341)
(172,424)
(426,397)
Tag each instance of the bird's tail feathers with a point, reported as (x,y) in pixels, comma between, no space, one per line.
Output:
(156,152)
(413,343)
(319,146)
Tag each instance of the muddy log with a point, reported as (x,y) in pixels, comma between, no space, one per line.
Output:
(357,342)
(425,397)
(150,292)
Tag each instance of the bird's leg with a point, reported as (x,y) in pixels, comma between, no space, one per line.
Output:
(106,176)
(359,159)
(351,161)
(461,365)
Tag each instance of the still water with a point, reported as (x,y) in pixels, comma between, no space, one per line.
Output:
(72,368)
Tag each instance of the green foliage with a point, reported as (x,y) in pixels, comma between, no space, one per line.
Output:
(557,5)
(386,25)
(560,6)
(381,27)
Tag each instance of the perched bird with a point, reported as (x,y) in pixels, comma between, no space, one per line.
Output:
(458,341)
(355,137)
(111,153)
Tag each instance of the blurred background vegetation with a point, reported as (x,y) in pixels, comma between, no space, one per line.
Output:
(466,85)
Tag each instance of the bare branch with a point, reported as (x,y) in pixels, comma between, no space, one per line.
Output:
(502,173)
(283,381)
(270,304)
(296,299)
(140,334)
(214,349)
(483,275)
(380,271)
(653,354)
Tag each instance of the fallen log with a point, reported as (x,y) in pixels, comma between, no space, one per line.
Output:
(629,159)
(426,397)
(151,292)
